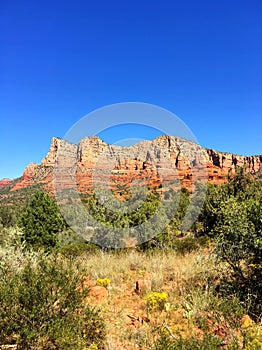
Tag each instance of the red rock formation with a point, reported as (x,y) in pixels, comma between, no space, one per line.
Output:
(5,182)
(28,177)
(143,286)
(164,160)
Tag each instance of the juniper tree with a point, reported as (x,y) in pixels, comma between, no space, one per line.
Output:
(41,222)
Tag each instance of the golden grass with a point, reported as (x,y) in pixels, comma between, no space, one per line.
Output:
(168,272)
(188,280)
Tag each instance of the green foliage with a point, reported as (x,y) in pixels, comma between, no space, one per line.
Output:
(7,216)
(241,187)
(10,237)
(116,226)
(42,307)
(185,245)
(232,215)
(239,243)
(17,199)
(240,183)
(41,222)
(73,250)
(111,215)
(208,342)
(204,307)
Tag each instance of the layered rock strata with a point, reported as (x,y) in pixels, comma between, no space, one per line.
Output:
(162,161)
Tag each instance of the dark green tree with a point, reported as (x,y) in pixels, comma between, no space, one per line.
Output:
(232,215)
(239,243)
(7,216)
(209,214)
(41,222)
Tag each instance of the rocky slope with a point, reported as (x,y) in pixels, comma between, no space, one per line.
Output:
(5,182)
(157,163)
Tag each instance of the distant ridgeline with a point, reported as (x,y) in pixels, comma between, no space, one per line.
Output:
(157,163)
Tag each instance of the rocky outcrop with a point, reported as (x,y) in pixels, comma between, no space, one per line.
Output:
(162,161)
(221,164)
(28,177)
(5,182)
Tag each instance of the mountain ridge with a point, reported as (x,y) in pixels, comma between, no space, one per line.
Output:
(149,159)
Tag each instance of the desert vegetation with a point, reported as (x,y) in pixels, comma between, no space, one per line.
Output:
(197,289)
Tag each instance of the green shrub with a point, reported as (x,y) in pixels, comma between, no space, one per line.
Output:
(232,216)
(185,245)
(239,244)
(73,250)
(41,307)
(7,216)
(41,222)
(208,342)
(10,236)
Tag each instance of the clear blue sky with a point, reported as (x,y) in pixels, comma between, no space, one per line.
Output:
(59,60)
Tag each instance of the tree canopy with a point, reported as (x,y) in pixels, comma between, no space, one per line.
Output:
(41,221)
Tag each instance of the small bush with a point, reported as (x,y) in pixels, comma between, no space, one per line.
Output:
(10,237)
(7,216)
(185,245)
(252,334)
(41,307)
(73,250)
(103,282)
(208,342)
(239,245)
(156,301)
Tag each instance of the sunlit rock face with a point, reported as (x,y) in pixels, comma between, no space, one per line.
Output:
(5,182)
(162,161)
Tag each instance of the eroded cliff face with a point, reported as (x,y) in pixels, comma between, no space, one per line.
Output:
(5,182)
(221,164)
(164,160)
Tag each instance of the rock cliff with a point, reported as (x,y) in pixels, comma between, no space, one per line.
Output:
(166,159)
(5,182)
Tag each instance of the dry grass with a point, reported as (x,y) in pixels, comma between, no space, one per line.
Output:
(188,280)
(176,275)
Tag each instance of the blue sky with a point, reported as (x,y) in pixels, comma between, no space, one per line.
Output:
(60,60)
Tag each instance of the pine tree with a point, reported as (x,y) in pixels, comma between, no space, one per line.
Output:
(41,222)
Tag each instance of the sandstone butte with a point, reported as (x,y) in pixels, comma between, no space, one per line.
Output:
(158,163)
